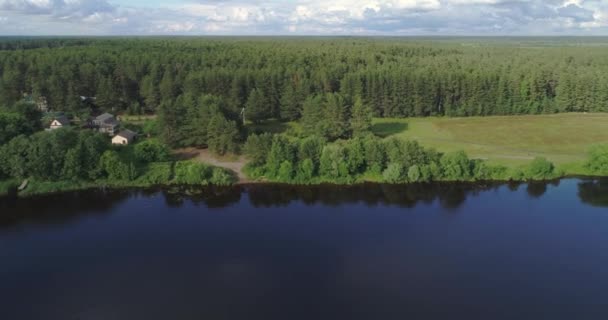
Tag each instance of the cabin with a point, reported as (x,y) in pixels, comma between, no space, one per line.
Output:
(106,123)
(124,137)
(59,122)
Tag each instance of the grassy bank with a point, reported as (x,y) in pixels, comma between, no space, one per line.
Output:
(563,139)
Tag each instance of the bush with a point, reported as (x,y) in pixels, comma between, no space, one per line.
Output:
(115,168)
(306,171)
(598,160)
(151,151)
(151,128)
(157,173)
(540,169)
(281,151)
(414,174)
(333,162)
(253,172)
(285,171)
(192,173)
(222,177)
(456,166)
(393,173)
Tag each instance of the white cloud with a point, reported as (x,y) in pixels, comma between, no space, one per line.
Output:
(399,17)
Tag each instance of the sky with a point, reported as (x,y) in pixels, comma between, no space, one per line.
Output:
(304,17)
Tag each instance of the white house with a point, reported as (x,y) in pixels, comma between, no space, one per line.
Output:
(124,137)
(59,122)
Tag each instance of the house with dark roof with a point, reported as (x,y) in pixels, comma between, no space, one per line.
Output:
(59,122)
(106,123)
(124,137)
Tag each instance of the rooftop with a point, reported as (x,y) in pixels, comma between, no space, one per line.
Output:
(104,117)
(63,120)
(127,134)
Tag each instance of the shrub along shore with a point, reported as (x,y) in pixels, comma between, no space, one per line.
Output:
(312,160)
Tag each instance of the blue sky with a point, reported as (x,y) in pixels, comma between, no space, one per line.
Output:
(304,17)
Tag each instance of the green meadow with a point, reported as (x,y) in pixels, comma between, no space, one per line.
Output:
(509,140)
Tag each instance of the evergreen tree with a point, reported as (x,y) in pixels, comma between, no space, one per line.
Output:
(337,116)
(361,122)
(257,108)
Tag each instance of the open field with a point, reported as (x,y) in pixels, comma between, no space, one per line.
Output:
(509,140)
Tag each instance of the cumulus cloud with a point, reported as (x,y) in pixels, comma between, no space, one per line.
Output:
(58,8)
(577,13)
(392,17)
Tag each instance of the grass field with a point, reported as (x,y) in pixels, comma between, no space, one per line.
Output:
(509,140)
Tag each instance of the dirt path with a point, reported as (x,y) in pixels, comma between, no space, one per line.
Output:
(235,163)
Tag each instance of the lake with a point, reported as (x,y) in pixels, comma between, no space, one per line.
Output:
(445,251)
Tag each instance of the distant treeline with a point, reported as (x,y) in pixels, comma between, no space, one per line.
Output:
(25,43)
(396,77)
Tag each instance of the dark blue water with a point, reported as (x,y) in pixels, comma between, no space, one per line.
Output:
(535,251)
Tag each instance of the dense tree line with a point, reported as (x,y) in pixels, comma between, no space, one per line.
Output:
(87,156)
(313,159)
(203,89)
(192,80)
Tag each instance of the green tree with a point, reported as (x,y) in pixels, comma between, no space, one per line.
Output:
(167,87)
(375,154)
(106,97)
(291,107)
(257,148)
(14,156)
(361,122)
(311,148)
(151,151)
(223,135)
(306,170)
(73,168)
(355,156)
(337,117)
(456,166)
(280,152)
(256,108)
(393,173)
(115,168)
(333,162)
(414,173)
(313,117)
(11,125)
(285,171)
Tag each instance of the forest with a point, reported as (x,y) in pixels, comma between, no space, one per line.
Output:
(212,92)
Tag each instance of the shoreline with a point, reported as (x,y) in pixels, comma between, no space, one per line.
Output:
(59,187)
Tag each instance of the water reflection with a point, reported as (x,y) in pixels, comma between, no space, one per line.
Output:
(594,192)
(538,189)
(60,208)
(211,197)
(449,195)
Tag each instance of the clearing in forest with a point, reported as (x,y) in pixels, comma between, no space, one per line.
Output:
(509,140)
